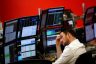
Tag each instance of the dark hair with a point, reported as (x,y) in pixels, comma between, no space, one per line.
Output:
(71,31)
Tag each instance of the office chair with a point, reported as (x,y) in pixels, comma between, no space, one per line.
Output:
(85,58)
(36,61)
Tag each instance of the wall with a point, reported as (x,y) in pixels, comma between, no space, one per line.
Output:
(19,8)
(0,10)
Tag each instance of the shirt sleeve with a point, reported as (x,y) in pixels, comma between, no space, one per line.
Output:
(65,56)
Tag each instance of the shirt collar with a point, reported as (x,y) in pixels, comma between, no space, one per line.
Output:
(75,43)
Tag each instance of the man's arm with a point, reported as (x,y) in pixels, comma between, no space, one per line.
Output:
(58,46)
(65,56)
(58,49)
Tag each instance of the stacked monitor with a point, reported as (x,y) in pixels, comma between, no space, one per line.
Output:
(52,22)
(90,24)
(51,36)
(10,28)
(27,37)
(9,35)
(53,25)
(27,49)
(20,39)
(28,26)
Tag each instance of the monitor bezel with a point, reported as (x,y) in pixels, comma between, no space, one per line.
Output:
(29,18)
(10,42)
(90,23)
(15,59)
(19,46)
(85,16)
(51,47)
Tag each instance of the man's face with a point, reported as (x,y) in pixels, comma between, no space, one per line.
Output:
(64,38)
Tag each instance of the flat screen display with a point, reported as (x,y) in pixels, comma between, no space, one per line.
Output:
(28,26)
(29,31)
(9,53)
(10,37)
(51,40)
(95,29)
(53,31)
(91,10)
(55,16)
(28,54)
(10,31)
(28,48)
(51,36)
(28,41)
(89,16)
(89,30)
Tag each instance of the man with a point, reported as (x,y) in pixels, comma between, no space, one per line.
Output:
(73,47)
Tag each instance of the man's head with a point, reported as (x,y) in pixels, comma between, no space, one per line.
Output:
(67,36)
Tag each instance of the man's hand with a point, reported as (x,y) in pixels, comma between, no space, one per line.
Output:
(58,40)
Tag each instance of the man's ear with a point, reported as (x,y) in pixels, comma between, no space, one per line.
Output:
(68,35)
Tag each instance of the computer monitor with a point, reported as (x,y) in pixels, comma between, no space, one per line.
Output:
(10,29)
(51,40)
(89,32)
(89,15)
(89,22)
(27,41)
(9,53)
(28,26)
(27,49)
(55,16)
(51,36)
(95,29)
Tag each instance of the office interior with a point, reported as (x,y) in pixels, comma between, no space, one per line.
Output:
(28,29)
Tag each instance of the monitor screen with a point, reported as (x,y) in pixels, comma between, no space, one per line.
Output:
(28,41)
(29,31)
(9,53)
(27,49)
(89,15)
(89,31)
(95,29)
(55,16)
(22,22)
(28,54)
(51,40)
(51,36)
(51,32)
(34,20)
(10,31)
(90,10)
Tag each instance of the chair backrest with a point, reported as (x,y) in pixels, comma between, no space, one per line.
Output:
(85,58)
(33,62)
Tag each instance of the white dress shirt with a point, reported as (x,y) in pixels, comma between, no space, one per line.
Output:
(71,53)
